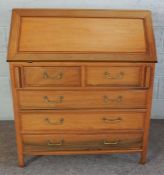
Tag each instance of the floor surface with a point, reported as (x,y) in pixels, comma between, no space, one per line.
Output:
(125,164)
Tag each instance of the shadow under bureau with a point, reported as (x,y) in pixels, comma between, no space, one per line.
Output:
(82,81)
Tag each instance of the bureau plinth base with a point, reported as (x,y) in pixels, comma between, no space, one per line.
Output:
(82,153)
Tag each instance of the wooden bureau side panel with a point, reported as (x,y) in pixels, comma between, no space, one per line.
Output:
(16,83)
(82,99)
(150,83)
(52,76)
(61,142)
(113,76)
(80,120)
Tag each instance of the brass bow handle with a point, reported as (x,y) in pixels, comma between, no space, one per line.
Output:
(59,100)
(113,120)
(60,122)
(108,75)
(49,143)
(111,143)
(46,76)
(108,100)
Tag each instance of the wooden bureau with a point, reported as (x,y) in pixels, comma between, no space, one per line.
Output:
(82,81)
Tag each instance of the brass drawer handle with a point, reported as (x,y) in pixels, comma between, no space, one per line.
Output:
(111,143)
(60,122)
(60,143)
(119,76)
(46,76)
(49,143)
(59,100)
(107,100)
(114,120)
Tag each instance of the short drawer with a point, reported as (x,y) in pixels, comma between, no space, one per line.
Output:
(80,120)
(51,76)
(57,142)
(33,99)
(114,76)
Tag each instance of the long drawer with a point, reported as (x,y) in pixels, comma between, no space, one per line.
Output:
(56,142)
(35,99)
(80,120)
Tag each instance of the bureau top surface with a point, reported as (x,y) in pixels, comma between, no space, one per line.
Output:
(81,35)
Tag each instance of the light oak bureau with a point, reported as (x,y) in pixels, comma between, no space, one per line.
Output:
(82,81)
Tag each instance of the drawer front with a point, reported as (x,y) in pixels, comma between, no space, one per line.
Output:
(82,99)
(78,120)
(57,142)
(52,76)
(114,76)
